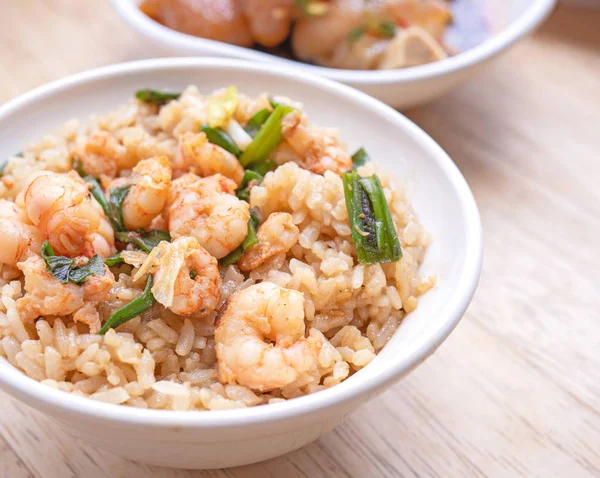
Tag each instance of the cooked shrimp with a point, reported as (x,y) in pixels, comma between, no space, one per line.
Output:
(186,276)
(61,206)
(316,38)
(248,106)
(269,20)
(220,20)
(100,155)
(97,287)
(177,185)
(208,211)
(411,47)
(180,184)
(325,39)
(431,15)
(44,295)
(149,181)
(207,158)
(364,53)
(276,235)
(246,327)
(318,151)
(18,236)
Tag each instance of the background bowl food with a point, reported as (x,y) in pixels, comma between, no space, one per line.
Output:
(441,198)
(509,21)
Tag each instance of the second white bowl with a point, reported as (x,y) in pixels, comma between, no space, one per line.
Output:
(508,22)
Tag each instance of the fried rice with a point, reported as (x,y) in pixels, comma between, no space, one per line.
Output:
(162,360)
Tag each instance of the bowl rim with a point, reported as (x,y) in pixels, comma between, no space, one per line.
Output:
(42,396)
(533,16)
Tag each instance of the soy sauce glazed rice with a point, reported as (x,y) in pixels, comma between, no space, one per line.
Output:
(191,252)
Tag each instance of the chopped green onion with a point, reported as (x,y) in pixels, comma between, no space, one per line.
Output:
(77,165)
(302,4)
(154,97)
(114,260)
(255,216)
(115,201)
(95,266)
(357,33)
(251,179)
(18,155)
(232,257)
(264,167)
(238,134)
(98,194)
(360,158)
(373,27)
(193,274)
(253,125)
(146,241)
(274,104)
(221,106)
(58,266)
(250,240)
(131,310)
(221,138)
(267,138)
(386,29)
(111,207)
(63,270)
(373,230)
(313,8)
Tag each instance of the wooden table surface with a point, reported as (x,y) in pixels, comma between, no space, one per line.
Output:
(515,389)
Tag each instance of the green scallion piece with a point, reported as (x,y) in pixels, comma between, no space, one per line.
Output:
(114,260)
(312,8)
(264,167)
(303,4)
(221,138)
(267,138)
(58,266)
(98,194)
(386,29)
(154,97)
(251,179)
(373,230)
(253,125)
(232,257)
(115,201)
(250,240)
(3,165)
(360,158)
(77,165)
(95,266)
(131,310)
(357,33)
(145,241)
(63,268)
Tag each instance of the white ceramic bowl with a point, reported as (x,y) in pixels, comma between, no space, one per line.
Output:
(509,21)
(228,438)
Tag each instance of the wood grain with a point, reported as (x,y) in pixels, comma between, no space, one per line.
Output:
(10,464)
(514,391)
